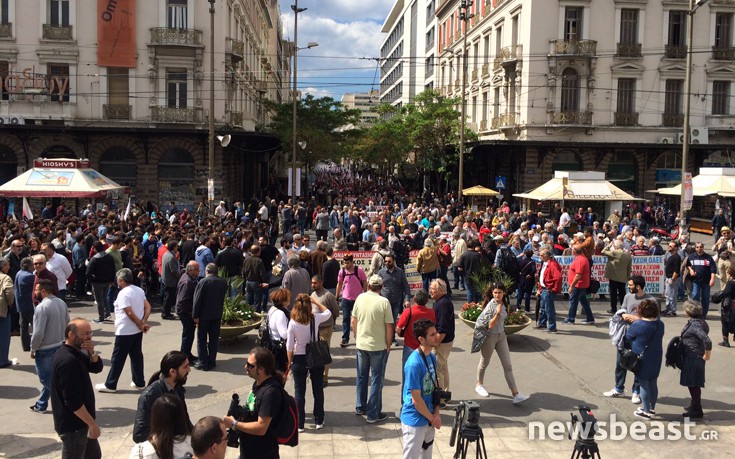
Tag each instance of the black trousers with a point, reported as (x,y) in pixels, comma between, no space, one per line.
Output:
(169,299)
(617,293)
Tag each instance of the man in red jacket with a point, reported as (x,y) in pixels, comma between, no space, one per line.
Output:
(549,286)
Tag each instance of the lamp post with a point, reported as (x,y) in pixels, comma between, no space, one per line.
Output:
(693,6)
(210,170)
(464,16)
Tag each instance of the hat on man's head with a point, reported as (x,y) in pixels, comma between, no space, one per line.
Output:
(537,238)
(498,238)
(724,228)
(580,234)
(375,280)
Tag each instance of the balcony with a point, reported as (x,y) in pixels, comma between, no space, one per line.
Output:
(485,70)
(506,120)
(163,36)
(508,54)
(629,50)
(675,51)
(235,49)
(586,48)
(672,120)
(234,118)
(165,114)
(723,53)
(474,75)
(626,119)
(117,112)
(483,125)
(6,30)
(573,118)
(456,84)
(57,32)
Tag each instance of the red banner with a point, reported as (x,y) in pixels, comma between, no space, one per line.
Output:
(116,33)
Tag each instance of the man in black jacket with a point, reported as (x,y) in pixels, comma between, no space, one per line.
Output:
(209,299)
(170,379)
(253,272)
(101,273)
(229,258)
(72,396)
(184,306)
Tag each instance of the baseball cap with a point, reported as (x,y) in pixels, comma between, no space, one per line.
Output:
(375,280)
(580,234)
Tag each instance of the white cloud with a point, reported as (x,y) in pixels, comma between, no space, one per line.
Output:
(343,10)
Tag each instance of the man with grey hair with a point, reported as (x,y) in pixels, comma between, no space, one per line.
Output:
(318,257)
(618,270)
(185,304)
(209,300)
(23,289)
(444,311)
(132,310)
(296,279)
(372,327)
(49,321)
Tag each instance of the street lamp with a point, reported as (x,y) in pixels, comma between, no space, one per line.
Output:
(296,11)
(465,16)
(210,170)
(693,6)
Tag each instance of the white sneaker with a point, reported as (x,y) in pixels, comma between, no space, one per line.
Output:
(134,386)
(302,430)
(14,361)
(481,391)
(520,398)
(102,388)
(613,394)
(319,426)
(636,399)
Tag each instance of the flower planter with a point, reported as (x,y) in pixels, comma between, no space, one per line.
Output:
(509,329)
(228,331)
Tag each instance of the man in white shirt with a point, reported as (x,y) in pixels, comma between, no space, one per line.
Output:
(59,266)
(565,220)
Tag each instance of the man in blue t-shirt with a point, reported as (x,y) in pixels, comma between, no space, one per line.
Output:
(419,416)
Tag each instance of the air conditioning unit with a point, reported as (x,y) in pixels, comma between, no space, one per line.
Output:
(700,135)
(679,137)
(666,140)
(12,120)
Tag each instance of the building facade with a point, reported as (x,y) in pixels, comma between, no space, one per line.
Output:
(366,102)
(126,84)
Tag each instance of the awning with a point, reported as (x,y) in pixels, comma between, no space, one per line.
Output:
(711,180)
(61,178)
(479,190)
(583,186)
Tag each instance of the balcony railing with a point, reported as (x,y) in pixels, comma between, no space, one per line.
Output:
(626,119)
(673,120)
(6,30)
(176,115)
(576,118)
(676,51)
(575,47)
(723,53)
(456,84)
(234,118)
(485,70)
(176,37)
(56,32)
(506,120)
(474,75)
(629,50)
(508,54)
(236,48)
(483,125)
(117,112)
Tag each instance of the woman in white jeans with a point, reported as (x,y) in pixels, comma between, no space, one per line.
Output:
(492,319)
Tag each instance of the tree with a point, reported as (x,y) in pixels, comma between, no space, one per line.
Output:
(384,145)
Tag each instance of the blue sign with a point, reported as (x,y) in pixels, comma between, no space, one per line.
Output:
(668,175)
(499,183)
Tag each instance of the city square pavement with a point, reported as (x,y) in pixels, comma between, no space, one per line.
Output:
(558,371)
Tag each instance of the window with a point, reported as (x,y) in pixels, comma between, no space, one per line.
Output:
(628,26)
(119,164)
(58,76)
(496,103)
(177,14)
(118,91)
(720,97)
(4,71)
(486,48)
(430,39)
(484,106)
(475,54)
(677,28)
(573,23)
(430,10)
(4,14)
(569,90)
(515,30)
(59,12)
(176,87)
(626,95)
(498,40)
(474,109)
(429,66)
(672,104)
(723,30)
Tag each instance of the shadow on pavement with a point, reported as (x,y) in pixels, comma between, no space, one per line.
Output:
(18,393)
(115,417)
(199,391)
(501,409)
(527,343)
(27,447)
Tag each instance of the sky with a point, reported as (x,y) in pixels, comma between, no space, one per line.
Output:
(349,37)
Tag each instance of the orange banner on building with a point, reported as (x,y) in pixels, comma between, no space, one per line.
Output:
(116,33)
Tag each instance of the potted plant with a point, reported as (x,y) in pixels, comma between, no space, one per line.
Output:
(238,316)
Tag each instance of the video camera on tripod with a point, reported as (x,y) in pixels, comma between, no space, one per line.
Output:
(467,429)
(241,414)
(584,428)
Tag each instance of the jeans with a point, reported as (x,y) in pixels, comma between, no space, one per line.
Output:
(700,292)
(300,371)
(620,374)
(525,292)
(547,315)
(617,293)
(62,295)
(44,370)
(347,306)
(188,328)
(5,339)
(649,393)
(579,295)
(426,279)
(264,294)
(372,364)
(112,296)
(76,445)
(671,294)
(458,277)
(26,321)
(126,345)
(254,294)
(473,296)
(100,291)
(208,348)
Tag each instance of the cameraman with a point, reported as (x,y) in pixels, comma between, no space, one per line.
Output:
(419,414)
(264,405)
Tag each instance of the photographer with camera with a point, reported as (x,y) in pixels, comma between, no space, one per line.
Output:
(421,394)
(262,410)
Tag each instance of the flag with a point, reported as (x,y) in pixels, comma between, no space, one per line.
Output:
(27,213)
(127,211)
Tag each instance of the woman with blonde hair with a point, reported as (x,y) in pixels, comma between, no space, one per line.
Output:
(303,329)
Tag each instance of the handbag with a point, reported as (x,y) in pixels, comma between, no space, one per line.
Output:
(630,360)
(717,297)
(317,351)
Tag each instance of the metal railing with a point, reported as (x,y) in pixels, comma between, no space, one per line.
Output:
(483,125)
(117,112)
(676,51)
(234,118)
(578,118)
(507,54)
(235,47)
(485,70)
(506,120)
(575,47)
(176,37)
(6,30)
(56,32)
(177,115)
(626,119)
(723,53)
(629,50)
(672,120)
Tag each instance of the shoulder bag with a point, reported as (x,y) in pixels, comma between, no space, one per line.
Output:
(630,360)
(317,351)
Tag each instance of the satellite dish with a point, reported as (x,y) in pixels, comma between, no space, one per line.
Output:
(224,140)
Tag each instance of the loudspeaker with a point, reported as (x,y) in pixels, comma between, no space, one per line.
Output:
(224,140)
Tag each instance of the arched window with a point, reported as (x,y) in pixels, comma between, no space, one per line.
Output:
(566,161)
(621,170)
(8,164)
(119,164)
(569,90)
(176,179)
(58,151)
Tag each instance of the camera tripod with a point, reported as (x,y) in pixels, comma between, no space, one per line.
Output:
(585,449)
(469,435)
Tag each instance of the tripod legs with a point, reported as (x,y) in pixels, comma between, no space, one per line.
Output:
(585,451)
(464,445)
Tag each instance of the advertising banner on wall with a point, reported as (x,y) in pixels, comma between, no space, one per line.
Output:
(116,33)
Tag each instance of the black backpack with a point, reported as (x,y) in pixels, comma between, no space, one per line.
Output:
(675,351)
(509,263)
(400,250)
(287,430)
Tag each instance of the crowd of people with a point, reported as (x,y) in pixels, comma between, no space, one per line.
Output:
(187,261)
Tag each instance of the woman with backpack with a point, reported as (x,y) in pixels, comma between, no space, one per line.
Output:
(696,347)
(302,330)
(278,327)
